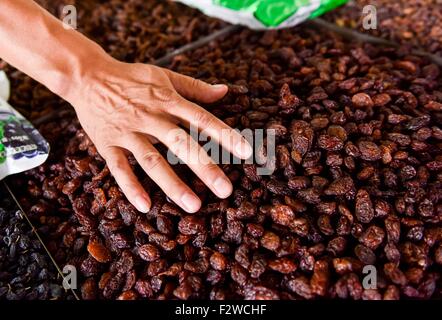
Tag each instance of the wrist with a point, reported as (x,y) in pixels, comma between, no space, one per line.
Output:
(76,73)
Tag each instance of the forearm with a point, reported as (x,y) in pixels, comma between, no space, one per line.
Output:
(38,44)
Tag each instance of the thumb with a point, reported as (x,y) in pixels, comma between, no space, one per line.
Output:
(197,90)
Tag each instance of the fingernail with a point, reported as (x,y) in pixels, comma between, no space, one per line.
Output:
(244,149)
(219,86)
(142,204)
(190,202)
(223,186)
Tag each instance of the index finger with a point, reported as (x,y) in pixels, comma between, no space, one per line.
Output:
(195,116)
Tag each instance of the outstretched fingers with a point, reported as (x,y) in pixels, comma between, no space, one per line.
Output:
(159,170)
(181,144)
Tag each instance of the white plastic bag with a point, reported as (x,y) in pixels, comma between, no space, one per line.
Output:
(21,146)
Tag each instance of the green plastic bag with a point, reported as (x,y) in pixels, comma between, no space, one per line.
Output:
(264,14)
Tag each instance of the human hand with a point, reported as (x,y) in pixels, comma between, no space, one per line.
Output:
(126,107)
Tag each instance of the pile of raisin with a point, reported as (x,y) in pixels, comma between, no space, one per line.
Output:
(26,272)
(357,183)
(414,23)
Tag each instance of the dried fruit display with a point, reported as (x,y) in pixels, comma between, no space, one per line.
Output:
(357,182)
(416,23)
(26,272)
